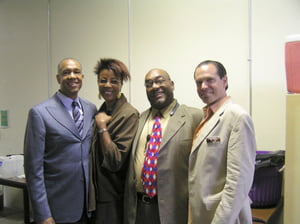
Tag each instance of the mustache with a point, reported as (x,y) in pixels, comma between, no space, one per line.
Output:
(68,77)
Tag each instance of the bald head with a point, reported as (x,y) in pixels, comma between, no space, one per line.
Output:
(59,67)
(158,72)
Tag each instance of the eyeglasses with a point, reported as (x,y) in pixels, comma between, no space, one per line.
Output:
(112,82)
(149,83)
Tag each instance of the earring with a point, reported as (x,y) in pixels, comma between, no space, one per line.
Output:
(119,95)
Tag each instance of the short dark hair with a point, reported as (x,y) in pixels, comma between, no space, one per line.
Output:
(221,71)
(118,67)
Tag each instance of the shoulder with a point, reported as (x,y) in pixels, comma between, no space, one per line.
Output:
(191,111)
(236,115)
(130,109)
(145,113)
(87,103)
(52,101)
(234,109)
(82,100)
(190,115)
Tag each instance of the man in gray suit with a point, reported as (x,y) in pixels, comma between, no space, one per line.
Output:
(222,159)
(169,204)
(56,151)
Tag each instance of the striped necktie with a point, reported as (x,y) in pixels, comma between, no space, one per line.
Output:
(149,170)
(77,116)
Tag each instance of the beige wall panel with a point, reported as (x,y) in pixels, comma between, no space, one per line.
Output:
(292,178)
(23,63)
(272,22)
(177,35)
(88,30)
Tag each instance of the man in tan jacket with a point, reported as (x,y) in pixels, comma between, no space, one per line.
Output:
(222,159)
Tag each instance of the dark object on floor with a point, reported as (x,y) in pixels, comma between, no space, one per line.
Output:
(267,184)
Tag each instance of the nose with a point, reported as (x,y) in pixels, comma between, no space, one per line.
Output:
(203,85)
(155,85)
(72,75)
(108,84)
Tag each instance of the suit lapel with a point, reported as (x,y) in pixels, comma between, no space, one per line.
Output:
(176,121)
(87,115)
(206,129)
(61,115)
(210,126)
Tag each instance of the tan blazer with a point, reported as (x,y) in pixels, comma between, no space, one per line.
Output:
(221,168)
(172,167)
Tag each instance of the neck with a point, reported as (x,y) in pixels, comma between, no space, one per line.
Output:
(215,105)
(72,96)
(110,105)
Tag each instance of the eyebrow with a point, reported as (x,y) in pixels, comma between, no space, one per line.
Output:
(157,77)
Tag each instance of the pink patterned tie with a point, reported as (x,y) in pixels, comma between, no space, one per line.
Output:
(149,170)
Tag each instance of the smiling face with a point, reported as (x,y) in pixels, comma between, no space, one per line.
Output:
(159,88)
(210,86)
(109,85)
(70,77)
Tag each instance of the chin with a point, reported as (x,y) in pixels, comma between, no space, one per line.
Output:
(159,105)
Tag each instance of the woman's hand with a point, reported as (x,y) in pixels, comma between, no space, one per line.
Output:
(102,119)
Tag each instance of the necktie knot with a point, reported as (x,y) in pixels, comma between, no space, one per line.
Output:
(158,115)
(75,104)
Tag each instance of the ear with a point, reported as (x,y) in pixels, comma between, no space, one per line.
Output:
(225,80)
(172,84)
(58,78)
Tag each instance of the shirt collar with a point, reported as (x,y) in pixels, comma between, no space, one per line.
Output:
(218,104)
(67,101)
(165,112)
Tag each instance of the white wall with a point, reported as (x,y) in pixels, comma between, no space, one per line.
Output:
(172,34)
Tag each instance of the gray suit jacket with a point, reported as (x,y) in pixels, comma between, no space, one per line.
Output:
(221,168)
(56,160)
(172,177)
